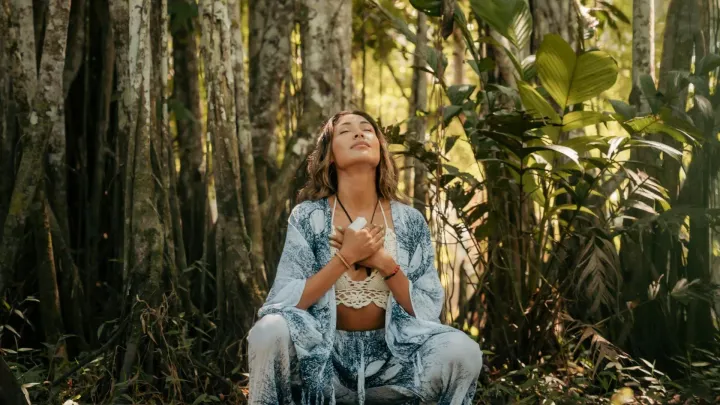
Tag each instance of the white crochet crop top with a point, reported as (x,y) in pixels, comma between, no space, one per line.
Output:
(373,289)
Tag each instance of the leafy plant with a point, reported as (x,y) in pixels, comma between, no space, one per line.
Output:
(541,212)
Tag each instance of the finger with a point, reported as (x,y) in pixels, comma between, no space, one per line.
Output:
(341,230)
(375,229)
(366,232)
(335,245)
(336,238)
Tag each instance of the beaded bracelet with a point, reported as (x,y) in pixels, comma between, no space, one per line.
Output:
(395,271)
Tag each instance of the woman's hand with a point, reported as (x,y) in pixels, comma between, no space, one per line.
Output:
(380,260)
(356,246)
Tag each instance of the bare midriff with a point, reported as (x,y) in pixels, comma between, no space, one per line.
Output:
(368,317)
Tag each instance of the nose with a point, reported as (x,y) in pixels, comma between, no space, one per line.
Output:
(359,134)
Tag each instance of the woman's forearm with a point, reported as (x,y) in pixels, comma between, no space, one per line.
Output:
(399,284)
(318,284)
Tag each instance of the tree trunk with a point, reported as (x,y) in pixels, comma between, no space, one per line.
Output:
(7,118)
(50,310)
(57,184)
(37,121)
(162,151)
(416,174)
(237,291)
(554,17)
(700,326)
(505,68)
(120,16)
(326,86)
(271,22)
(72,294)
(249,186)
(678,46)
(76,42)
(634,255)
(97,195)
(144,240)
(188,119)
(643,46)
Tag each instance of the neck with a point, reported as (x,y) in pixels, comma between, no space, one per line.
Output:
(356,189)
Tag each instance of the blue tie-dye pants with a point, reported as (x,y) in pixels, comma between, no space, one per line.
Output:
(364,369)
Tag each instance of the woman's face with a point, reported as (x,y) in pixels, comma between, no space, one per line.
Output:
(355,142)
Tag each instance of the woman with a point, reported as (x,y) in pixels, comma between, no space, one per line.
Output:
(353,316)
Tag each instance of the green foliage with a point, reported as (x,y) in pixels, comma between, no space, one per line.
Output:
(430,7)
(572,79)
(511,18)
(435,60)
(542,212)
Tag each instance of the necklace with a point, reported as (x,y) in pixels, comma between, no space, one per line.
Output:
(351,220)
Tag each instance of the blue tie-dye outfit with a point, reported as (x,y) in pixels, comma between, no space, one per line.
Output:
(413,358)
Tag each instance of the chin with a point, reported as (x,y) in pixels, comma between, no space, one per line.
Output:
(362,161)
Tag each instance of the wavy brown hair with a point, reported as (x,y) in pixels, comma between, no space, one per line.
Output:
(322,175)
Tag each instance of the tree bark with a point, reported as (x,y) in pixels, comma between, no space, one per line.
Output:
(505,68)
(237,291)
(57,185)
(144,243)
(326,86)
(50,310)
(188,119)
(639,266)
(120,16)
(271,22)
(700,326)
(242,119)
(678,46)
(554,17)
(38,120)
(76,42)
(415,174)
(164,161)
(7,119)
(97,189)
(643,49)
(72,294)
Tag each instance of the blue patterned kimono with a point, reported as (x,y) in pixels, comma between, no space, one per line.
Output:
(312,331)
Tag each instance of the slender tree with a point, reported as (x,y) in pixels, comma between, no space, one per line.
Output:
(188,119)
(144,237)
(271,22)
(643,62)
(7,132)
(39,113)
(249,191)
(415,175)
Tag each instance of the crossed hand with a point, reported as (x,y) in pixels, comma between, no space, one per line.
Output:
(363,247)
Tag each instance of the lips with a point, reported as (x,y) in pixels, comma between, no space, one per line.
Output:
(363,143)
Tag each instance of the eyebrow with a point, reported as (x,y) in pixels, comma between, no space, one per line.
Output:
(363,122)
